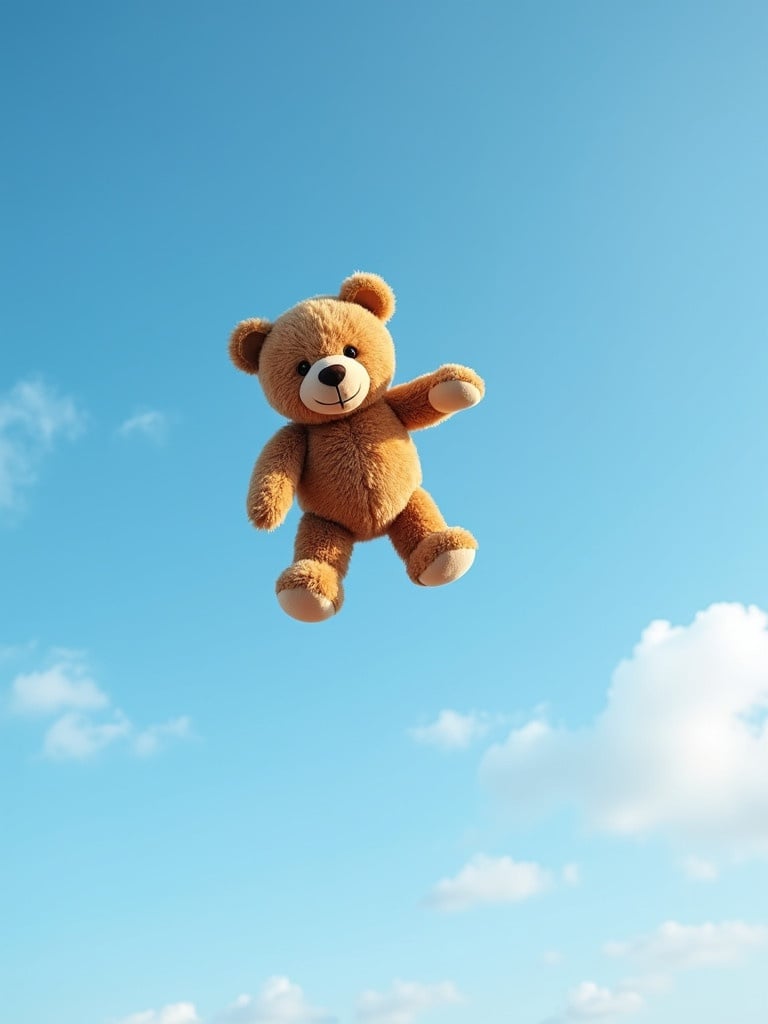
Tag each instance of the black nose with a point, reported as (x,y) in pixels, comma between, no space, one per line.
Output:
(332,375)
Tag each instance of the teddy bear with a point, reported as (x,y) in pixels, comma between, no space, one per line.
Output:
(347,453)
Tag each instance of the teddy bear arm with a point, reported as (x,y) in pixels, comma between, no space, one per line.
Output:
(430,399)
(275,477)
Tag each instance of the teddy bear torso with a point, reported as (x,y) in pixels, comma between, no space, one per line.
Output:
(360,471)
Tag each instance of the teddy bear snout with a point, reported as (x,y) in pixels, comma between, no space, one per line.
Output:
(334,385)
(332,375)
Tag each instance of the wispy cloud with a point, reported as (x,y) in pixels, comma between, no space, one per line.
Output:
(175,1013)
(77,737)
(32,419)
(571,874)
(405,1001)
(658,957)
(590,1002)
(452,730)
(699,870)
(148,741)
(490,880)
(681,746)
(86,720)
(280,1001)
(552,957)
(678,947)
(151,424)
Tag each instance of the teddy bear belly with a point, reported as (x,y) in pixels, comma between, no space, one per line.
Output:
(362,488)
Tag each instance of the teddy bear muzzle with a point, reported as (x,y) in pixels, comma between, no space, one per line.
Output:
(335,385)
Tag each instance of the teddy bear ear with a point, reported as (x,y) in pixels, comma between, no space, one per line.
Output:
(245,343)
(370,291)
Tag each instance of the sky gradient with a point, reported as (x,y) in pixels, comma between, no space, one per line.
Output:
(538,795)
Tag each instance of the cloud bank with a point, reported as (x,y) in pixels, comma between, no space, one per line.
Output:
(680,748)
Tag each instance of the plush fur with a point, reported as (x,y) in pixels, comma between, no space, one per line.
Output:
(347,453)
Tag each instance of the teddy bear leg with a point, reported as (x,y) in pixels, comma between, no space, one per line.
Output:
(310,590)
(433,552)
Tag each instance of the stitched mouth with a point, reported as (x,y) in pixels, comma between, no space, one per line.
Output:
(341,401)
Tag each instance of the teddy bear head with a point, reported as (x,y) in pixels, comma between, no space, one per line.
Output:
(325,358)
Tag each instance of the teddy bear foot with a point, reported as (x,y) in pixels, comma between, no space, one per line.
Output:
(446,568)
(305,606)
(310,591)
(442,557)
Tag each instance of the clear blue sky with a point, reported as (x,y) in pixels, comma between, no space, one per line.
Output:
(204,800)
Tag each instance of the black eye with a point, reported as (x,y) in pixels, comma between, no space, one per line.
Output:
(350,351)
(303,368)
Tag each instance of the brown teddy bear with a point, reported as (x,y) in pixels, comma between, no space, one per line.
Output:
(347,453)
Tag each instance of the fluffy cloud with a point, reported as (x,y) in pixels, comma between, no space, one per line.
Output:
(405,1001)
(672,948)
(152,425)
(279,1002)
(590,1002)
(74,736)
(86,722)
(487,880)
(452,730)
(64,685)
(678,947)
(177,1013)
(680,747)
(32,419)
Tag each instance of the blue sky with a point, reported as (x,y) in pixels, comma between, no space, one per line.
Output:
(537,795)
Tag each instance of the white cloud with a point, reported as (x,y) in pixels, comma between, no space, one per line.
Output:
(405,1001)
(680,747)
(279,1002)
(699,870)
(150,424)
(672,948)
(590,1002)
(177,1013)
(32,418)
(487,880)
(76,737)
(87,720)
(151,739)
(65,685)
(677,947)
(452,730)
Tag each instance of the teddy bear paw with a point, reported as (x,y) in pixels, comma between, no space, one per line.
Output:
(447,567)
(442,557)
(302,604)
(310,591)
(453,395)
